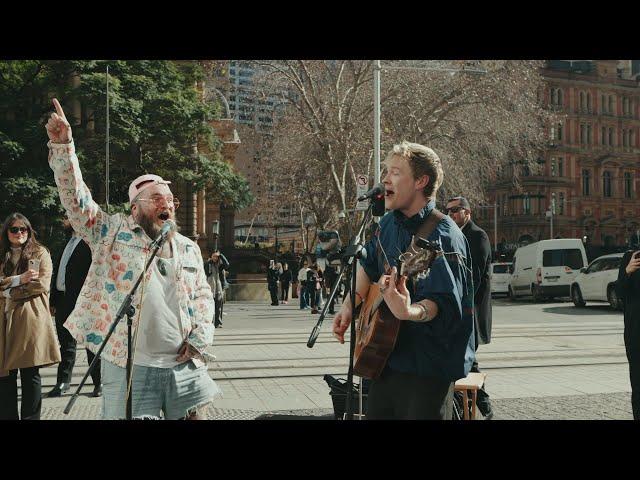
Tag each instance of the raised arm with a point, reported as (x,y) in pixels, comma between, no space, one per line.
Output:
(85,215)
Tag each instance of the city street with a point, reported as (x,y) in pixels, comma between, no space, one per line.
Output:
(546,361)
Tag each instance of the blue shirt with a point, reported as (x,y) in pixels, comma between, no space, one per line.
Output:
(443,347)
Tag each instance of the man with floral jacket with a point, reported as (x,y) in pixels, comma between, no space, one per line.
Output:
(172,325)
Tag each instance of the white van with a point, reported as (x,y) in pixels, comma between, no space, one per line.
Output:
(547,268)
(499,276)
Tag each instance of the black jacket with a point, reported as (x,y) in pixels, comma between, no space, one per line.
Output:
(628,289)
(481,257)
(223,264)
(75,274)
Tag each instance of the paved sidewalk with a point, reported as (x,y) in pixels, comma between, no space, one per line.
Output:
(539,370)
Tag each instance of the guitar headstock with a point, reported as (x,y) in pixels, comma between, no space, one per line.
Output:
(417,262)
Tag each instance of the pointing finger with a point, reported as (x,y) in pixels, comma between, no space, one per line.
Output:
(58,108)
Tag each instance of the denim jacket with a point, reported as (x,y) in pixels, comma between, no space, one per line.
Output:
(443,347)
(119,247)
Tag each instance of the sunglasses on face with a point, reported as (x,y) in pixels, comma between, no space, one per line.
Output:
(157,200)
(454,210)
(16,230)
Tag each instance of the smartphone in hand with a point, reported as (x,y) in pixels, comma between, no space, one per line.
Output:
(34,264)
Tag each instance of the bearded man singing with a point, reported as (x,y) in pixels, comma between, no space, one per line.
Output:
(172,326)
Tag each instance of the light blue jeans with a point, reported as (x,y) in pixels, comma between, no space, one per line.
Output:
(174,392)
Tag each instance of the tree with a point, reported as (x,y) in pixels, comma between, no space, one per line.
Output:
(156,118)
(476,123)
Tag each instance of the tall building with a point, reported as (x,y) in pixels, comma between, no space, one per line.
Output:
(590,166)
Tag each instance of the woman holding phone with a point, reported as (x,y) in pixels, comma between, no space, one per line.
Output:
(28,339)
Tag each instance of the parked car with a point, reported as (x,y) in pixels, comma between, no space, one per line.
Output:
(499,275)
(547,269)
(597,282)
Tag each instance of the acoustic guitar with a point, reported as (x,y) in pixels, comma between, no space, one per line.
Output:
(376,327)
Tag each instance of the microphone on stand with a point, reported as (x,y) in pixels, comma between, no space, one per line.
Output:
(168,226)
(375,192)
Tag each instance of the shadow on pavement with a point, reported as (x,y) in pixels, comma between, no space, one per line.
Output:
(589,310)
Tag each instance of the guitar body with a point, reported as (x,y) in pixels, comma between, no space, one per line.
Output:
(376,334)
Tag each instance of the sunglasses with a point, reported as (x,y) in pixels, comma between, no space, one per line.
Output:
(15,230)
(157,200)
(454,209)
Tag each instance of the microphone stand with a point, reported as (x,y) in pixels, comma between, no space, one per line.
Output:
(350,255)
(125,309)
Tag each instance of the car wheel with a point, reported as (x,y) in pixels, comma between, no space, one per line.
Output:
(576,296)
(612,297)
(537,293)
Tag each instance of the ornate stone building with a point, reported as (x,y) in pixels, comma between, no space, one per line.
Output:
(590,166)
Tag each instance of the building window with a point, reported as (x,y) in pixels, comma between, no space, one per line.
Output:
(606,184)
(583,103)
(628,185)
(611,104)
(561,204)
(604,137)
(611,136)
(589,133)
(589,102)
(505,207)
(553,167)
(586,182)
(560,167)
(526,205)
(603,103)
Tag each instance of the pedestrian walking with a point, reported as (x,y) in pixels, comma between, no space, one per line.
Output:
(215,269)
(285,281)
(273,276)
(303,292)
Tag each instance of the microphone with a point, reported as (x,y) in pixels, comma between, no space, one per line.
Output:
(373,193)
(168,226)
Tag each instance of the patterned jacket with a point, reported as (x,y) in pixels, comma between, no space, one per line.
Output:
(119,247)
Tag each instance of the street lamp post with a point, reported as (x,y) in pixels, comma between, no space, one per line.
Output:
(215,230)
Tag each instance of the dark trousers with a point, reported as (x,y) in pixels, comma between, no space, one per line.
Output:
(405,396)
(482,401)
(68,354)
(285,292)
(217,316)
(634,376)
(314,296)
(274,295)
(31,389)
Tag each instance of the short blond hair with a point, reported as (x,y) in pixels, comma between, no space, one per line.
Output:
(423,161)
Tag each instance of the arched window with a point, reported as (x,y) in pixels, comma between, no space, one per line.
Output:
(586,182)
(628,185)
(606,184)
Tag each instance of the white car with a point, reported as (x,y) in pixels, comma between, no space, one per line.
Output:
(499,275)
(597,282)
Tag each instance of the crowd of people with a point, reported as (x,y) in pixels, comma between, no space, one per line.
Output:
(48,308)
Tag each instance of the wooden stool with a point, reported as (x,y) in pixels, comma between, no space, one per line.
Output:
(472,382)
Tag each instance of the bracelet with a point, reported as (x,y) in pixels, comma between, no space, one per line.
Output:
(425,316)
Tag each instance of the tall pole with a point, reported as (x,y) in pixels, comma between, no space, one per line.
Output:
(553,207)
(376,121)
(495,227)
(106,169)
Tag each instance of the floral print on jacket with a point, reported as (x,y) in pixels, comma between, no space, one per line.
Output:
(119,247)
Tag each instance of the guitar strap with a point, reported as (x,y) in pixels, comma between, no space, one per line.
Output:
(425,231)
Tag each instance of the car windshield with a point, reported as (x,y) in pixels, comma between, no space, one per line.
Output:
(501,269)
(569,257)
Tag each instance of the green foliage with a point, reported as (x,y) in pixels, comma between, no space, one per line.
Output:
(156,116)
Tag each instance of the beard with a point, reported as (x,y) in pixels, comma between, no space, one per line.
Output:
(148,224)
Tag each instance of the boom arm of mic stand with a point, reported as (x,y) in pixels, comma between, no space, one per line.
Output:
(121,312)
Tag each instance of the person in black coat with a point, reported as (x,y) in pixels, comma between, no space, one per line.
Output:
(459,209)
(75,259)
(628,289)
(273,276)
(285,281)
